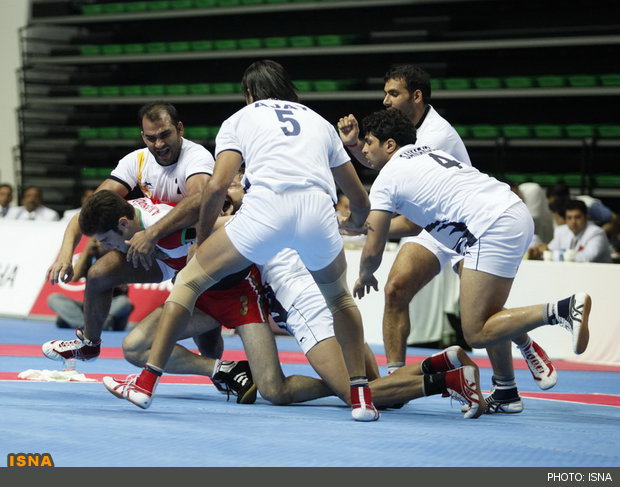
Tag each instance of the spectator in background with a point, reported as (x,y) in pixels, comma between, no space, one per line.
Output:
(533,195)
(68,214)
(71,312)
(578,233)
(598,213)
(32,207)
(6,196)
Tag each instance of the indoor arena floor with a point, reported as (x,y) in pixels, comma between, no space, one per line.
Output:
(190,424)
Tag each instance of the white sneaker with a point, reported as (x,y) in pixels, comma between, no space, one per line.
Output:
(464,385)
(127,389)
(540,366)
(362,408)
(577,321)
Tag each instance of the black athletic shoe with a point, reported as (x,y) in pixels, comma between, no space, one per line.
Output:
(238,377)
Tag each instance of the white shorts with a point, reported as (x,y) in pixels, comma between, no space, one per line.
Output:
(443,253)
(166,271)
(500,250)
(308,319)
(301,220)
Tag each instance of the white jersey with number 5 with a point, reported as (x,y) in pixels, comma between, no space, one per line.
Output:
(266,134)
(452,201)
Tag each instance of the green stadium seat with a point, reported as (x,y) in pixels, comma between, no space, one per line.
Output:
(199,88)
(228,3)
(131,90)
(89,172)
(548,131)
(333,40)
(179,46)
(176,89)
(88,133)
(181,4)
(275,42)
(94,9)
(572,178)
(88,91)
(607,180)
(110,91)
(487,83)
(301,41)
(303,85)
(456,83)
(156,47)
(484,131)
(204,3)
(251,2)
(213,130)
(436,84)
(610,79)
(544,179)
(113,8)
(582,80)
(518,82)
(201,45)
(550,81)
(129,132)
(516,131)
(109,132)
(197,132)
(225,44)
(250,43)
(276,1)
(608,131)
(224,88)
(153,90)
(90,50)
(579,131)
(518,178)
(158,5)
(134,48)
(133,7)
(112,49)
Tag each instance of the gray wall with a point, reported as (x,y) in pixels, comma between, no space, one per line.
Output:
(13,15)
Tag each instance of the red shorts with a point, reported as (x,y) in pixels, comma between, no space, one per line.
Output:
(238,305)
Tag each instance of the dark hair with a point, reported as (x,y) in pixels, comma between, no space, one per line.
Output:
(389,124)
(26,188)
(576,205)
(101,212)
(560,190)
(267,79)
(415,79)
(155,111)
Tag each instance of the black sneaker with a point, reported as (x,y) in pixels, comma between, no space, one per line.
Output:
(503,400)
(238,377)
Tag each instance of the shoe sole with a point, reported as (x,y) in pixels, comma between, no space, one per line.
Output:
(482,405)
(549,381)
(249,397)
(584,333)
(120,396)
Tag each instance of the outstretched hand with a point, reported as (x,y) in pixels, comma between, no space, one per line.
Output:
(363,285)
(59,271)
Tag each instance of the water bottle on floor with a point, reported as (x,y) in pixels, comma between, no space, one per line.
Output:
(69,365)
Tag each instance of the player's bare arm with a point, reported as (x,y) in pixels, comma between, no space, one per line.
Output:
(183,215)
(214,194)
(401,227)
(62,268)
(347,180)
(378,225)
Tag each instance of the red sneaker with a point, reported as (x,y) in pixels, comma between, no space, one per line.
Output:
(362,408)
(128,389)
(464,385)
(80,349)
(540,366)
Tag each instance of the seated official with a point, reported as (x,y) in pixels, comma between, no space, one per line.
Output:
(588,240)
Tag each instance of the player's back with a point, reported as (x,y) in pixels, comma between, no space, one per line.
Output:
(285,145)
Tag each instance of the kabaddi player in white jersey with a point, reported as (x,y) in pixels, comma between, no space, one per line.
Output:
(171,169)
(292,157)
(469,212)
(420,258)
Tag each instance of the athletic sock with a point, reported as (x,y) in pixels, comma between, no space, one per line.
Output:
(394,366)
(552,311)
(435,384)
(525,345)
(358,381)
(505,388)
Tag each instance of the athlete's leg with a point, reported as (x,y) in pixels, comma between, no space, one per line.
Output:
(137,344)
(414,267)
(104,275)
(260,348)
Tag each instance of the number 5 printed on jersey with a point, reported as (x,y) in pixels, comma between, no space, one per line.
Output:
(285,116)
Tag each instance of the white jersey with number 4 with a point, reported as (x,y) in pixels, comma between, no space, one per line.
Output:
(452,201)
(266,132)
(165,184)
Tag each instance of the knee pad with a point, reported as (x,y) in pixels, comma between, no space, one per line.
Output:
(189,284)
(337,295)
